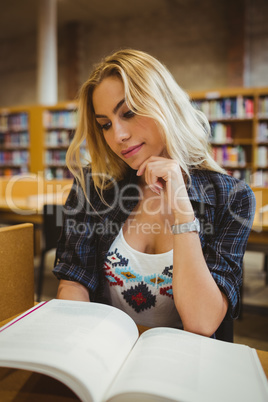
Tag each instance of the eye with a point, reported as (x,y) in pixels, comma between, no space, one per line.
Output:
(129,114)
(105,127)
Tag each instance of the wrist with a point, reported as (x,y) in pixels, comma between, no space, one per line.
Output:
(183,217)
(193,226)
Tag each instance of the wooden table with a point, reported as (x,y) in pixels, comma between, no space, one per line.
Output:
(25,210)
(20,212)
(22,198)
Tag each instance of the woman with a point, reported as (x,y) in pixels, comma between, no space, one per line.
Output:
(153,225)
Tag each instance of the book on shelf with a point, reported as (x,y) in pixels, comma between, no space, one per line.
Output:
(14,157)
(262,156)
(242,174)
(14,143)
(259,178)
(57,138)
(229,156)
(262,132)
(221,133)
(55,157)
(263,106)
(12,140)
(227,108)
(54,172)
(95,349)
(60,119)
(13,121)
(8,172)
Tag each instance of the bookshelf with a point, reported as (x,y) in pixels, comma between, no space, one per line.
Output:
(261,151)
(239,130)
(58,124)
(36,138)
(14,141)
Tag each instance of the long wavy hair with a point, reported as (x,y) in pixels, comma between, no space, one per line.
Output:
(151,91)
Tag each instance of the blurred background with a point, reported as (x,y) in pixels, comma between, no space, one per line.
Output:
(206,44)
(213,49)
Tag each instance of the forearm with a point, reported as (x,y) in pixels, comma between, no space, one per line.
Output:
(199,301)
(70,290)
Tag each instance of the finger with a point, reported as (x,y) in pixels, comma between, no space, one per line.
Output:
(152,176)
(142,167)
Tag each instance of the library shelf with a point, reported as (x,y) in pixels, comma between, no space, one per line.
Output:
(14,140)
(239,134)
(59,124)
(239,130)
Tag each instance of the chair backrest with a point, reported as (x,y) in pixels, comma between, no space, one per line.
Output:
(52,224)
(16,270)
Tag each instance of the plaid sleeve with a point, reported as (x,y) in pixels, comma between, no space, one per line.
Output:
(76,256)
(224,253)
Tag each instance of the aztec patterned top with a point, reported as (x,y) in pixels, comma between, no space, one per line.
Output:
(141,284)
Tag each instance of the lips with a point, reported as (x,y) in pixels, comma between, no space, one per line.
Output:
(131,150)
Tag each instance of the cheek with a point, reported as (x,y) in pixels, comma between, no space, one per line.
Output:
(111,144)
(144,124)
(108,140)
(148,127)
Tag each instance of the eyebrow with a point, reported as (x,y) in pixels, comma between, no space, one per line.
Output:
(119,104)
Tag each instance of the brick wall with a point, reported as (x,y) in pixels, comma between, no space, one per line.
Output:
(191,41)
(18,70)
(191,37)
(256,52)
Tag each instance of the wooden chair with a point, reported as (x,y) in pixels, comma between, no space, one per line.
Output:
(16,270)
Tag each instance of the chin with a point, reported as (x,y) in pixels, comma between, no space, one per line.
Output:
(135,166)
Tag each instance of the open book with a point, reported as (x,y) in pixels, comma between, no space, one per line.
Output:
(96,351)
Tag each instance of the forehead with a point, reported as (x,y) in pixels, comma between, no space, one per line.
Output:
(108,93)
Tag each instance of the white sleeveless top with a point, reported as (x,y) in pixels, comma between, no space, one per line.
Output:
(141,284)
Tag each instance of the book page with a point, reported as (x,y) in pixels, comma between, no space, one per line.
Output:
(173,365)
(81,344)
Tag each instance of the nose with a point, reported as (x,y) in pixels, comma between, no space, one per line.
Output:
(121,132)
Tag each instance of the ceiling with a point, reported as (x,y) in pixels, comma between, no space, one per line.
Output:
(19,17)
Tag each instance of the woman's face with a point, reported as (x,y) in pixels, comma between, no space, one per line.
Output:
(133,138)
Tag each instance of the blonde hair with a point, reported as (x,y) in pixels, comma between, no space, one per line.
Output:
(150,90)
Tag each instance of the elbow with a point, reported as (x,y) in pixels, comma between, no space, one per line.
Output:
(203,318)
(199,329)
(200,322)
(70,290)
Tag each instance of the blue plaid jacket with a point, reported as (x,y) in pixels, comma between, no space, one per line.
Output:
(225,207)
